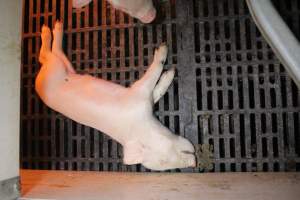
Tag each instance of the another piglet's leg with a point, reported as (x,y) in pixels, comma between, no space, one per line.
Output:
(46,44)
(57,46)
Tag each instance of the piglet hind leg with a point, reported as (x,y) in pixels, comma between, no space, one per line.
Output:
(53,70)
(57,46)
(46,44)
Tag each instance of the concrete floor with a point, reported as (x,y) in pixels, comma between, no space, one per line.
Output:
(158,186)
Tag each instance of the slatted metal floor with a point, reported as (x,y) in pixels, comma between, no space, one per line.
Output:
(229,91)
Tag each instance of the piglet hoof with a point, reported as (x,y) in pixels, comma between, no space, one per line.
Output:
(58,26)
(149,16)
(46,33)
(161,53)
(193,163)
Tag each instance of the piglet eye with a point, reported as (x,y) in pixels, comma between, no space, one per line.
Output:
(187,152)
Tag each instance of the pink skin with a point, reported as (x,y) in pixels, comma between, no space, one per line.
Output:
(125,114)
(80,3)
(140,9)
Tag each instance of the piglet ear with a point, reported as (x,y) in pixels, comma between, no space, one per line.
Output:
(133,153)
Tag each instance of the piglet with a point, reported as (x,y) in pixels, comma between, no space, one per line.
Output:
(125,114)
(140,9)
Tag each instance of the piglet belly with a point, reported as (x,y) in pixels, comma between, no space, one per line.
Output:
(96,103)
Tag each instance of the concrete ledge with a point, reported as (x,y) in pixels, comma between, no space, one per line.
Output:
(184,186)
(10,189)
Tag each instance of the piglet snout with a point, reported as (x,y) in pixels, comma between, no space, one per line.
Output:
(192,162)
(149,16)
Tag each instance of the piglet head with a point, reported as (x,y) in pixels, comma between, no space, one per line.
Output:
(168,153)
(176,153)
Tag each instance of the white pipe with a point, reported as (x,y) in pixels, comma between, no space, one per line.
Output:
(278,35)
